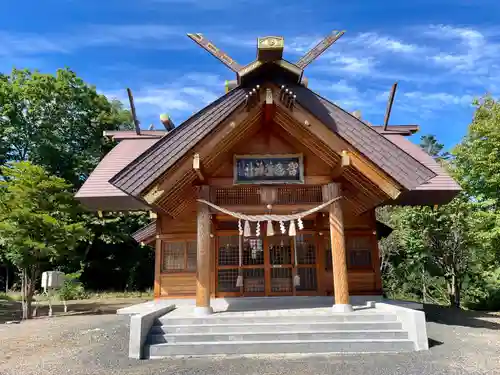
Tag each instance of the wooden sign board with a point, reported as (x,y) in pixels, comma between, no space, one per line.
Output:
(268,169)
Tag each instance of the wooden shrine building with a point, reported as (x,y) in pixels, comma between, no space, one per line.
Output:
(270,190)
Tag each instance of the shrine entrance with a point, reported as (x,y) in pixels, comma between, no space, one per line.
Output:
(278,265)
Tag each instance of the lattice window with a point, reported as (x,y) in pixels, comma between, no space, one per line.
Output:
(328,252)
(174,256)
(253,280)
(281,280)
(358,248)
(229,251)
(253,251)
(251,195)
(305,194)
(191,256)
(308,279)
(305,248)
(226,280)
(178,256)
(280,250)
(360,252)
(237,196)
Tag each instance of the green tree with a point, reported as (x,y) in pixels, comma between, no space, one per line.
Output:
(430,144)
(477,156)
(56,121)
(446,236)
(477,168)
(37,222)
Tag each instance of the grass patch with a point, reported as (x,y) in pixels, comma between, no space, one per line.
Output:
(114,295)
(5,297)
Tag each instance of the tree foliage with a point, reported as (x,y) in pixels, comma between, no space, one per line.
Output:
(477,157)
(38,222)
(451,253)
(56,121)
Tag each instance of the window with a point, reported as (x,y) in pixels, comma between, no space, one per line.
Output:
(178,256)
(358,248)
(328,252)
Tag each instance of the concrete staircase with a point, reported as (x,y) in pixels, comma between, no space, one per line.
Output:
(251,333)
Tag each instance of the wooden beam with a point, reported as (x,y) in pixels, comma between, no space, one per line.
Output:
(389,105)
(134,115)
(337,238)
(158,260)
(269,108)
(197,167)
(214,51)
(318,49)
(203,255)
(374,175)
(345,161)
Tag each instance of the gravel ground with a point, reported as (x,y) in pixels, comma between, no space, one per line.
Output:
(464,343)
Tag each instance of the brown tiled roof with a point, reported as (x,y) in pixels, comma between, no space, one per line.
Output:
(97,193)
(397,163)
(146,234)
(150,165)
(439,189)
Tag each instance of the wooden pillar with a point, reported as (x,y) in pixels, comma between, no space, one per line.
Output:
(203,255)
(158,259)
(337,238)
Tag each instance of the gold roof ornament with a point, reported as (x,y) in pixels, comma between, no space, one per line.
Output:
(270,48)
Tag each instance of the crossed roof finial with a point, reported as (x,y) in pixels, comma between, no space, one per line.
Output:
(269,49)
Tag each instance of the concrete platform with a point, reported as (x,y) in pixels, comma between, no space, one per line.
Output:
(262,303)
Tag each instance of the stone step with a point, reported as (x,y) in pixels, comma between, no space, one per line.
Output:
(276,326)
(270,336)
(278,347)
(257,319)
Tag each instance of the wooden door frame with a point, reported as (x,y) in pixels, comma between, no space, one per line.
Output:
(267,267)
(269,292)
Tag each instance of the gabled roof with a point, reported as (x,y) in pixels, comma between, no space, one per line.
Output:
(397,163)
(146,234)
(97,193)
(439,190)
(151,164)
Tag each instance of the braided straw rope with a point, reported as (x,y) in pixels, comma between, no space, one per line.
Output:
(256,218)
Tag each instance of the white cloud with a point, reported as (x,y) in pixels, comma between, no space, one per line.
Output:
(467,52)
(383,43)
(437,100)
(180,98)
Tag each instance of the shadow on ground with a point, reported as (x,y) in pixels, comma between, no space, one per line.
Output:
(12,311)
(465,318)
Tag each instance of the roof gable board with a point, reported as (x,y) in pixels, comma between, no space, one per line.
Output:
(394,161)
(155,161)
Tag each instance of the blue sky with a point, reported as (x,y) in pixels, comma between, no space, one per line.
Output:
(443,53)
